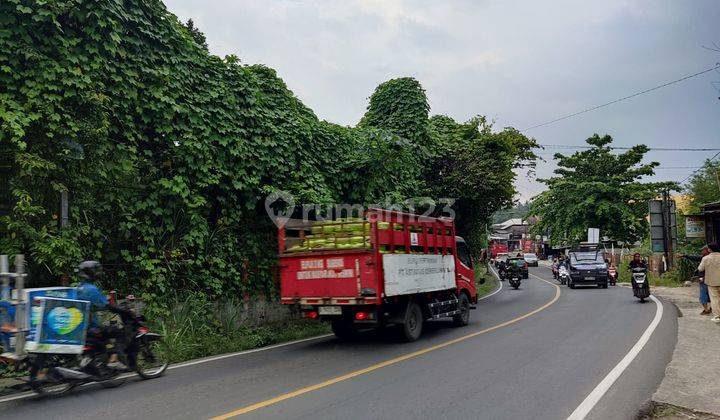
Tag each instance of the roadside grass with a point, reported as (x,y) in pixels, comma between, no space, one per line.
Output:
(194,328)
(672,412)
(668,279)
(491,282)
(181,344)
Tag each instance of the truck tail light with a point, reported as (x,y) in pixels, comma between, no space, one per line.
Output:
(361,316)
(311,314)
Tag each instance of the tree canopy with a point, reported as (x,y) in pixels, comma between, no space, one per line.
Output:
(704,186)
(167,151)
(600,189)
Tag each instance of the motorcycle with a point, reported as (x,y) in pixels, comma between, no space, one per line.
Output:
(502,271)
(514,277)
(612,276)
(135,346)
(563,275)
(640,285)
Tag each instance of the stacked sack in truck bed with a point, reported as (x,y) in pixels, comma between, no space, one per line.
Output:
(350,233)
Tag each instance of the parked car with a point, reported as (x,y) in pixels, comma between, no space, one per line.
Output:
(532,259)
(588,268)
(519,260)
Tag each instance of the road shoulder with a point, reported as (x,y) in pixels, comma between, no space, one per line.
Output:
(691,377)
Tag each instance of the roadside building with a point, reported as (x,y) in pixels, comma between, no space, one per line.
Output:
(711,214)
(514,235)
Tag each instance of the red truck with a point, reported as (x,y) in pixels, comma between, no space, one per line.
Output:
(496,248)
(386,268)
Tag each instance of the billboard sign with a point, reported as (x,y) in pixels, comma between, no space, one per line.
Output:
(694,227)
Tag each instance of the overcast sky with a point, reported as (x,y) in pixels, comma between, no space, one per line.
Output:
(518,62)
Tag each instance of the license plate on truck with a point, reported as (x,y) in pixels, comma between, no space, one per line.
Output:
(330,310)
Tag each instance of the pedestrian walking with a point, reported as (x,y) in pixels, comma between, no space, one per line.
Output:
(709,268)
(704,293)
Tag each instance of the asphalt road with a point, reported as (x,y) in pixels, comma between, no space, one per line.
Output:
(530,355)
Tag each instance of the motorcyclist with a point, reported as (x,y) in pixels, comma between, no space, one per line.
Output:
(612,272)
(512,268)
(502,269)
(637,262)
(90,272)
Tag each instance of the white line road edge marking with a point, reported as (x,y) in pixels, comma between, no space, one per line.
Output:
(499,289)
(25,395)
(596,394)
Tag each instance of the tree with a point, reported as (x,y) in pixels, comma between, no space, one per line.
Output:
(196,34)
(704,186)
(404,154)
(600,189)
(476,166)
(401,107)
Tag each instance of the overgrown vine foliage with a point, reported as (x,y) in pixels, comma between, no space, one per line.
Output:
(166,152)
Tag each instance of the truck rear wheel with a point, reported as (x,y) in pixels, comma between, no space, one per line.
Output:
(463,318)
(412,325)
(343,329)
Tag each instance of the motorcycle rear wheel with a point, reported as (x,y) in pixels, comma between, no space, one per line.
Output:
(151,361)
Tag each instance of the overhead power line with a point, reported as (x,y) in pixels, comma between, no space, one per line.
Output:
(674,149)
(696,170)
(677,167)
(717,66)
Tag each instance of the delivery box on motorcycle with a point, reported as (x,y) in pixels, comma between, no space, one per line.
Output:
(32,309)
(62,326)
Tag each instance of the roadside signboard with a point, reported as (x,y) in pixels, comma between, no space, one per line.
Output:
(593,235)
(658,228)
(694,227)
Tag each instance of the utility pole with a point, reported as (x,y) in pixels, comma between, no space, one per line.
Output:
(22,306)
(63,209)
(5,275)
